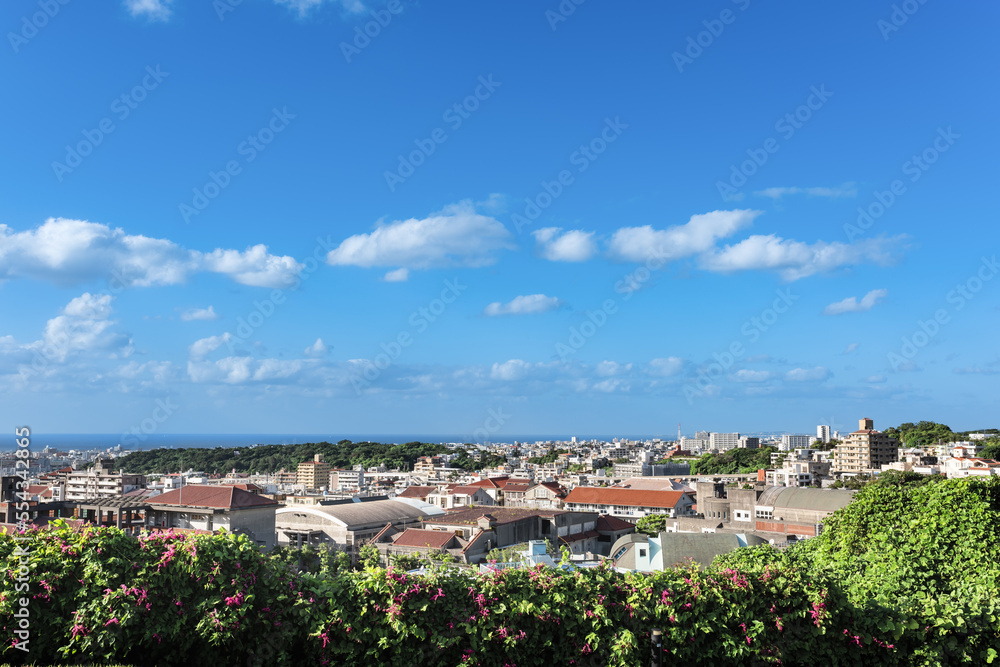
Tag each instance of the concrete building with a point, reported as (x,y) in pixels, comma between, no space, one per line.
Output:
(481,530)
(348,481)
(723,442)
(101,482)
(628,504)
(790,442)
(749,442)
(865,451)
(642,553)
(313,474)
(775,511)
(346,526)
(197,507)
(823,433)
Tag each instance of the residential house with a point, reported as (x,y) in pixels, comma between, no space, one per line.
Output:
(213,507)
(628,504)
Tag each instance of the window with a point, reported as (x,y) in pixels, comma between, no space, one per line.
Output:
(642,553)
(619,553)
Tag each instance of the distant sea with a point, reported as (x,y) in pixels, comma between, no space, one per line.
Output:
(85,441)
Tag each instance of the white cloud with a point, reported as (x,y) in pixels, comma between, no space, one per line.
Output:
(845,190)
(746,375)
(154,10)
(850,348)
(795,259)
(852,305)
(454,236)
(397,276)
(572,246)
(317,349)
(699,234)
(83,327)
(875,379)
(196,314)
(69,252)
(205,346)
(303,7)
(665,367)
(611,369)
(816,374)
(515,369)
(523,305)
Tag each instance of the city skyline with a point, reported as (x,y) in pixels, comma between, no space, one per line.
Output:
(319,216)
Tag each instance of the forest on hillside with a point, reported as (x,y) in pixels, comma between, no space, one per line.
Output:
(271,458)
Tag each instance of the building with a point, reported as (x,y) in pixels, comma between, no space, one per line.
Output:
(209,508)
(749,442)
(642,553)
(628,504)
(865,451)
(101,482)
(346,526)
(482,530)
(348,481)
(790,442)
(314,474)
(723,442)
(775,511)
(823,433)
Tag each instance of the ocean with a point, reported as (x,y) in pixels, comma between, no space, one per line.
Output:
(88,441)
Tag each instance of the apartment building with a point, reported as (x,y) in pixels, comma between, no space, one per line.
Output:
(314,474)
(723,441)
(100,482)
(790,442)
(865,450)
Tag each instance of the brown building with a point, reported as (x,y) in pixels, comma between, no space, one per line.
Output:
(314,474)
(866,450)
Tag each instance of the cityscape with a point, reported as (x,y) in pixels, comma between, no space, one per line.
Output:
(354,332)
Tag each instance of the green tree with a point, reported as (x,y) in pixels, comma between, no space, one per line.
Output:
(652,524)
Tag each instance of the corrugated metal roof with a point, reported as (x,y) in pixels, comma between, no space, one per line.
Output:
(824,500)
(360,514)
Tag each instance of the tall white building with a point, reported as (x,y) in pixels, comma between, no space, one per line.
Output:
(790,442)
(823,433)
(723,441)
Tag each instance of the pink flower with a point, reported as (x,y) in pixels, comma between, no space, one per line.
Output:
(113,621)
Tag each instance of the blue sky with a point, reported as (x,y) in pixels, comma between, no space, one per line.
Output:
(546,218)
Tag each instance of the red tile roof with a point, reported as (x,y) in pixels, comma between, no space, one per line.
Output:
(627,497)
(417,492)
(226,497)
(492,482)
(467,490)
(471,515)
(414,537)
(579,536)
(612,523)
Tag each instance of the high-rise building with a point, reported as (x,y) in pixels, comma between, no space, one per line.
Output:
(701,435)
(865,450)
(723,441)
(314,474)
(823,433)
(749,442)
(790,442)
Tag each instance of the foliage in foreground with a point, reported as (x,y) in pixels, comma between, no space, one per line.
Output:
(902,576)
